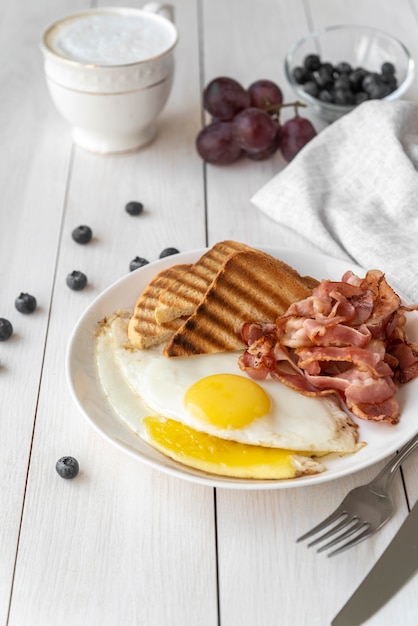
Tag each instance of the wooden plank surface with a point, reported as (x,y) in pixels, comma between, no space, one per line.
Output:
(32,187)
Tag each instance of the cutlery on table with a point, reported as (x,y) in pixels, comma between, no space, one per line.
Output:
(396,566)
(363,511)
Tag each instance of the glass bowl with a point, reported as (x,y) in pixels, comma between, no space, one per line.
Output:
(360,46)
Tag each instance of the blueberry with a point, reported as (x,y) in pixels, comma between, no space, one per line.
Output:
(25,303)
(342,82)
(6,329)
(134,208)
(325,77)
(343,96)
(299,75)
(76,280)
(168,252)
(328,67)
(312,62)
(390,81)
(343,68)
(378,91)
(360,96)
(82,234)
(311,88)
(137,262)
(370,81)
(325,96)
(388,69)
(356,78)
(67,467)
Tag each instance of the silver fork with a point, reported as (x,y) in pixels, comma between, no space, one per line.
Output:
(363,511)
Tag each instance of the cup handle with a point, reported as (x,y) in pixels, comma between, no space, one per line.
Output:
(165,10)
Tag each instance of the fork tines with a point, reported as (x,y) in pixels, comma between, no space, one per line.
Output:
(340,520)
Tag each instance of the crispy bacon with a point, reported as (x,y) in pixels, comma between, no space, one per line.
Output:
(347,338)
(405,354)
(321,333)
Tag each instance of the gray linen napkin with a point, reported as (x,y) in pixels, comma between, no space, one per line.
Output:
(353,191)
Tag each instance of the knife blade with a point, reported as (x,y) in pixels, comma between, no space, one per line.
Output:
(396,566)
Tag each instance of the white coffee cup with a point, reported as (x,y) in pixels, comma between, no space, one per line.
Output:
(109,72)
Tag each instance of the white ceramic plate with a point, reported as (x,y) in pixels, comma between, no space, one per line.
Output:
(382,439)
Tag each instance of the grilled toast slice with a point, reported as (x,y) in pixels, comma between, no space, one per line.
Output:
(143,329)
(181,298)
(251,286)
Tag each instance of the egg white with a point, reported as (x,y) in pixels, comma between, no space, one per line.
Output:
(143,382)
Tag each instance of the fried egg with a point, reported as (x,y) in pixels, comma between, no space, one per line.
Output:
(203,411)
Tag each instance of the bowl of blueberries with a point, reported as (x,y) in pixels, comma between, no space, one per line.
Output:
(337,68)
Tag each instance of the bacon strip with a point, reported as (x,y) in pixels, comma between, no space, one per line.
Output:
(347,338)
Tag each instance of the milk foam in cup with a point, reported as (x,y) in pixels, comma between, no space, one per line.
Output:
(109,72)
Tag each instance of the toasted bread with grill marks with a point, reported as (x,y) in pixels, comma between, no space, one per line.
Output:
(181,298)
(251,286)
(143,330)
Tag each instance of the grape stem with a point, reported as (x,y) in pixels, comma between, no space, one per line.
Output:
(276,108)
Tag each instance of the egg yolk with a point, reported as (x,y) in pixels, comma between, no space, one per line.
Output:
(220,456)
(227,400)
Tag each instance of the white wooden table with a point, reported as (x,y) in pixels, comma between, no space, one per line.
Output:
(122,544)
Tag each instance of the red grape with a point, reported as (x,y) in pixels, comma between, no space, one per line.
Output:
(224,98)
(261,155)
(265,93)
(295,134)
(254,129)
(215,144)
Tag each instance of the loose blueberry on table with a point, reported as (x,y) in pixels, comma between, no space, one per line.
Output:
(168,252)
(67,467)
(76,280)
(134,208)
(6,329)
(25,303)
(137,262)
(82,234)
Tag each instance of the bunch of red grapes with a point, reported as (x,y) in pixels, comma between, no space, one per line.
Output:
(246,122)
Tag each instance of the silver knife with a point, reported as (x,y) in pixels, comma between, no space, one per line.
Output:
(395,567)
